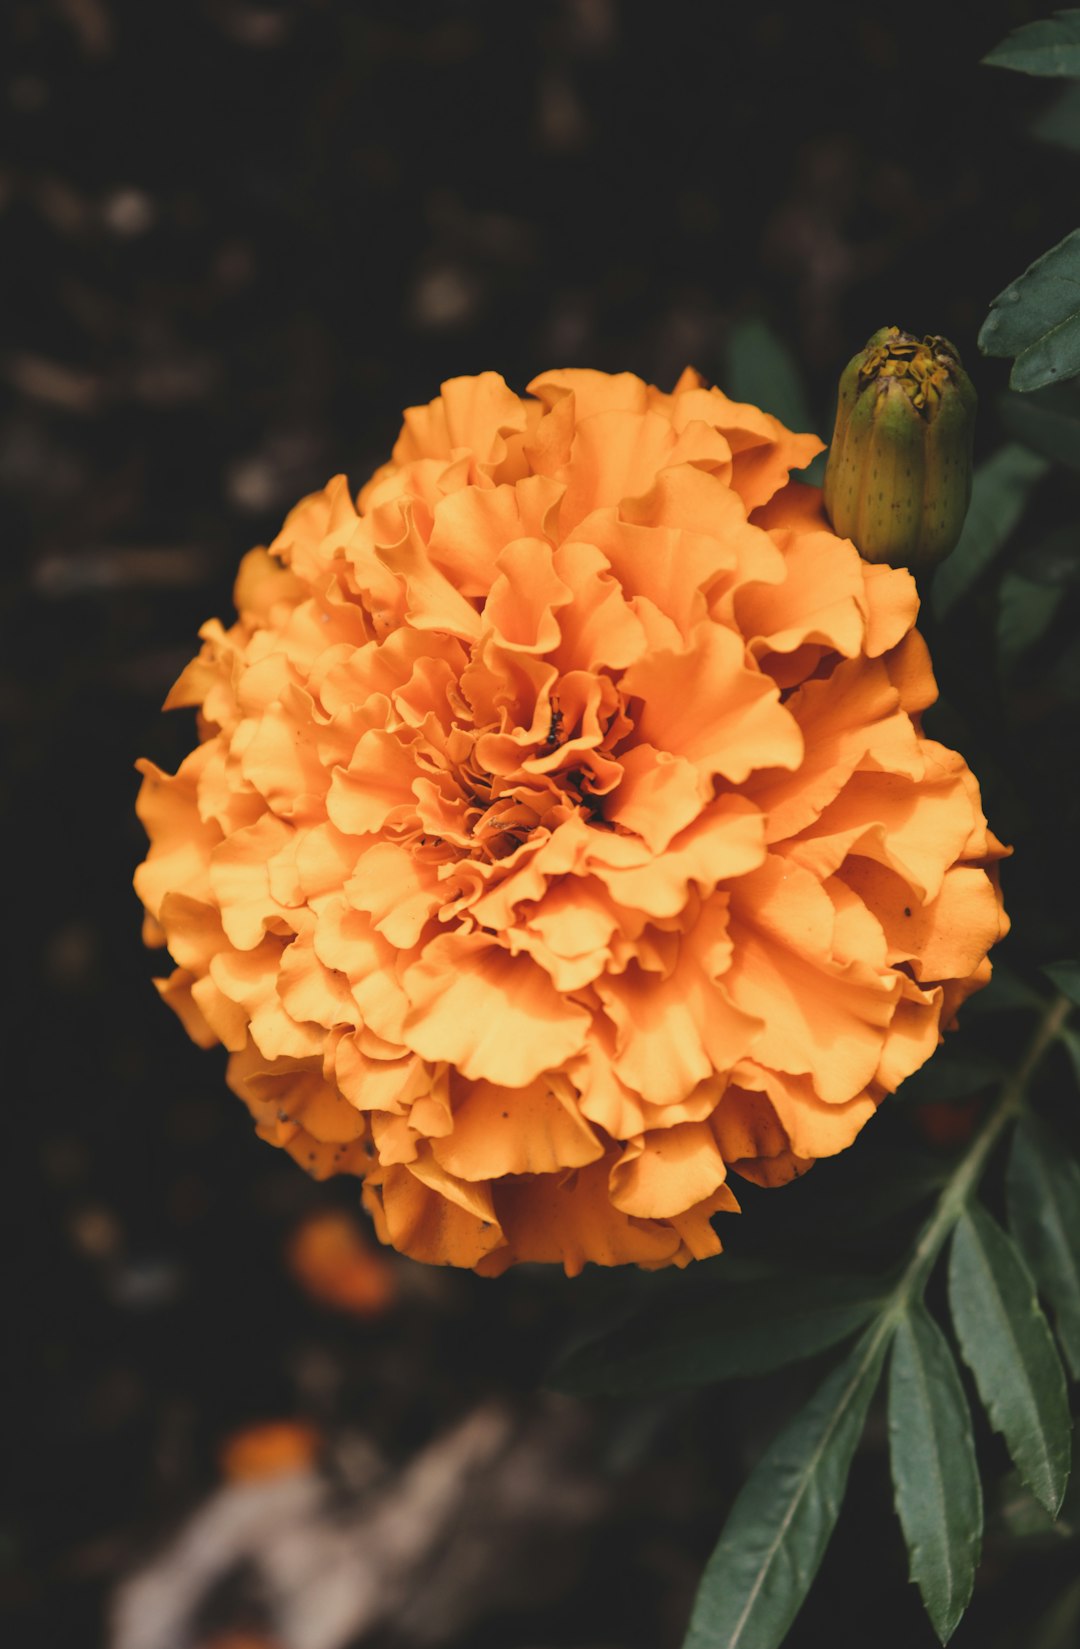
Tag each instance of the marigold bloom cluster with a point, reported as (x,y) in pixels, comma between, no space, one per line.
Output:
(562,837)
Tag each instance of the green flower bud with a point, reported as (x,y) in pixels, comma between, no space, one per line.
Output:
(898,477)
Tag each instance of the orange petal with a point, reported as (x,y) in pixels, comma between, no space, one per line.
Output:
(822,1017)
(674,1032)
(727,839)
(917,829)
(667,1171)
(494,1016)
(852,719)
(533,1130)
(892,606)
(432,1217)
(820,599)
(705,705)
(813,1127)
(944,939)
(176,991)
(180,843)
(398,891)
(555,1219)
(472,526)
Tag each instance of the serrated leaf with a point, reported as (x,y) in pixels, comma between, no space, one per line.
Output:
(774,1540)
(744,1328)
(934,1470)
(1007,1344)
(1066,976)
(1036,319)
(998,496)
(1048,422)
(1060,122)
(762,370)
(945,1077)
(1048,47)
(1043,1190)
(1026,611)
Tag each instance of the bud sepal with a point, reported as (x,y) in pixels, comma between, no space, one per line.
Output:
(898,476)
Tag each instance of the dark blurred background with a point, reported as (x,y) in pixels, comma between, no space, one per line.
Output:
(237,239)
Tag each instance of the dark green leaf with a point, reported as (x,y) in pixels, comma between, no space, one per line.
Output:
(1060,122)
(934,1471)
(950,1076)
(1043,1188)
(1048,422)
(1049,47)
(1025,612)
(1008,1346)
(762,370)
(770,1550)
(1037,319)
(998,497)
(743,1328)
(1066,976)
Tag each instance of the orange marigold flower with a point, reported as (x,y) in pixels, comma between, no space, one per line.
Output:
(563,835)
(270,1448)
(331,1259)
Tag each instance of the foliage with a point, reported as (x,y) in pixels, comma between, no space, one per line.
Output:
(1009,1244)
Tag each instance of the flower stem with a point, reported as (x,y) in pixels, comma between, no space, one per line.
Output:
(968,1171)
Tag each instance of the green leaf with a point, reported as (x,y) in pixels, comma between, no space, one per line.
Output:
(1007,1344)
(1043,1191)
(1048,422)
(1049,47)
(761,1570)
(1037,319)
(949,1076)
(1066,976)
(1060,122)
(934,1470)
(1026,611)
(762,370)
(998,497)
(743,1328)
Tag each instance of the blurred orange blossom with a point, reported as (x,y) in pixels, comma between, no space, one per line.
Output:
(330,1259)
(562,836)
(268,1448)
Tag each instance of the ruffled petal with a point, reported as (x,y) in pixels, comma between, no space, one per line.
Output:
(494,1016)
